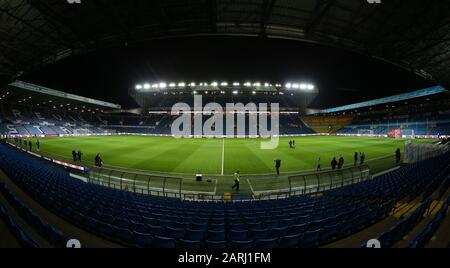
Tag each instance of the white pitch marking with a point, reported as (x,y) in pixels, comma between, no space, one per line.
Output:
(223,156)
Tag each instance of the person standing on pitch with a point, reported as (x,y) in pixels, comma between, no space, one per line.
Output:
(356,158)
(237,180)
(38,145)
(319,165)
(334,164)
(278,166)
(398,156)
(363,158)
(31,145)
(290,144)
(341,162)
(74,156)
(79,154)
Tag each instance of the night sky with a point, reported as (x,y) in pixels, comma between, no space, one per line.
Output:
(342,77)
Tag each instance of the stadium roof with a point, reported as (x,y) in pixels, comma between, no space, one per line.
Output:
(414,34)
(25,93)
(402,97)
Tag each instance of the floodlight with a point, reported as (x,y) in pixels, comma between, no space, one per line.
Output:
(192,84)
(235,92)
(296,86)
(138,87)
(172,85)
(310,87)
(182,84)
(147,86)
(224,84)
(214,84)
(155,86)
(254,92)
(162,85)
(248,84)
(257,84)
(289,85)
(236,84)
(195,92)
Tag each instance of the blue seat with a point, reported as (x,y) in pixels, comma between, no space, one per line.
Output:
(139,227)
(195,235)
(254,225)
(289,241)
(143,239)
(298,228)
(242,244)
(329,233)
(279,232)
(310,239)
(216,244)
(123,234)
(259,233)
(164,223)
(217,227)
(122,223)
(238,235)
(106,229)
(266,243)
(174,232)
(189,244)
(271,224)
(164,242)
(236,226)
(216,235)
(107,218)
(149,221)
(156,230)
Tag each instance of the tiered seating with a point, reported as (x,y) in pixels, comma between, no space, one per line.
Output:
(49,232)
(421,125)
(16,230)
(148,221)
(327,124)
(431,228)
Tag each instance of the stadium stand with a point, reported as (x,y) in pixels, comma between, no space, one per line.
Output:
(327,124)
(148,221)
(23,238)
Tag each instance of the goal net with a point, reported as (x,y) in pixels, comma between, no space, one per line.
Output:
(367,132)
(408,133)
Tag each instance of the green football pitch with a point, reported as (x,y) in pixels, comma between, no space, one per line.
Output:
(217,157)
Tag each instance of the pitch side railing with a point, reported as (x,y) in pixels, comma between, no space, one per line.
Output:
(317,182)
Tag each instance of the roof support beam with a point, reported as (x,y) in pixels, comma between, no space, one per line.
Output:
(267,8)
(212,11)
(320,11)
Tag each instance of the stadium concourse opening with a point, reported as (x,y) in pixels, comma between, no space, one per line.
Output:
(224,125)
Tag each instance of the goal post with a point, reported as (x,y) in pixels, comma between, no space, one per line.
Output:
(408,133)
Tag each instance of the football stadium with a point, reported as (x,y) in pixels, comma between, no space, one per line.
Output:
(225,125)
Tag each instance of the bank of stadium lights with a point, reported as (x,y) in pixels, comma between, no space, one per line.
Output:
(302,86)
(235,92)
(236,84)
(224,84)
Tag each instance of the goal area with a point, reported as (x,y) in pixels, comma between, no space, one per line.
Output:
(367,132)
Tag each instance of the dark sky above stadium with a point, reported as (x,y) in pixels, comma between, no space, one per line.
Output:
(342,77)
